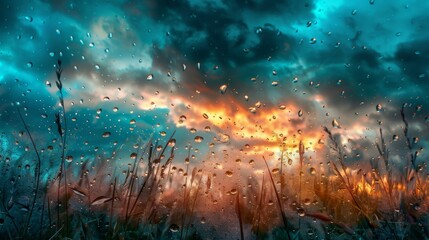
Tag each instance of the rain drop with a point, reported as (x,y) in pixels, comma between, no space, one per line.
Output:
(395,138)
(106,134)
(335,124)
(174,228)
(172,143)
(224,138)
(198,139)
(69,159)
(379,108)
(223,88)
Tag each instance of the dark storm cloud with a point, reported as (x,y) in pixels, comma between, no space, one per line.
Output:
(212,33)
(413,58)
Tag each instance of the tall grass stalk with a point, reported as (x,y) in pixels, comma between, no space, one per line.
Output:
(260,205)
(412,168)
(344,177)
(150,171)
(111,211)
(193,205)
(184,194)
(301,151)
(36,175)
(63,136)
(240,221)
(285,221)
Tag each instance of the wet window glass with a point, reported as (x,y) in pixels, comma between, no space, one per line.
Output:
(214,119)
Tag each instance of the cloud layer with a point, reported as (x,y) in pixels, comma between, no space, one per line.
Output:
(287,68)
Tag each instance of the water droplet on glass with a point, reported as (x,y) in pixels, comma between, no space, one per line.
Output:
(29,18)
(312,171)
(300,113)
(335,124)
(133,155)
(418,108)
(205,116)
(106,134)
(371,2)
(395,137)
(313,40)
(307,201)
(378,107)
(149,77)
(207,129)
(172,143)
(198,139)
(91,45)
(69,159)
(354,12)
(301,212)
(174,228)
(132,121)
(29,64)
(229,173)
(97,66)
(223,88)
(224,138)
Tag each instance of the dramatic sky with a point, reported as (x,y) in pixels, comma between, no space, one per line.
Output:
(257,74)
